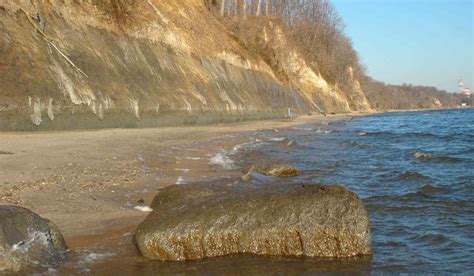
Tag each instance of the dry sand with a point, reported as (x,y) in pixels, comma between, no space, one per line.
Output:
(88,182)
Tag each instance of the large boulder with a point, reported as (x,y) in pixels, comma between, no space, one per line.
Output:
(28,241)
(205,220)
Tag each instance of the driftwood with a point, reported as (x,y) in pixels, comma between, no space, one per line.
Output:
(50,41)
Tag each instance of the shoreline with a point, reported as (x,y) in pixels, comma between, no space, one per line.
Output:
(97,176)
(87,182)
(120,167)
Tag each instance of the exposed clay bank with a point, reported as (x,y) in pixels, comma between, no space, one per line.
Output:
(81,70)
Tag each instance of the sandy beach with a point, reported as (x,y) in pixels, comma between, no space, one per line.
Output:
(88,182)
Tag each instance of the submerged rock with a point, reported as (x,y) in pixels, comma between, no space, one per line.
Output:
(28,241)
(278,170)
(283,171)
(206,220)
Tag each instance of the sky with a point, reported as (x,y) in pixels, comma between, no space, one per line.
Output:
(426,42)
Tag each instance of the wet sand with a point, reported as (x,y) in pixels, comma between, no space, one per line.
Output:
(88,182)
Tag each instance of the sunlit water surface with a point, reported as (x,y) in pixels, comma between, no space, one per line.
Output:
(413,170)
(415,174)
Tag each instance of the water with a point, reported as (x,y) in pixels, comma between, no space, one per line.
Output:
(413,170)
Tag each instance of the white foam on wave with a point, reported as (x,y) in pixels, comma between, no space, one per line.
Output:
(323,131)
(278,139)
(249,145)
(303,128)
(34,237)
(222,159)
(423,155)
(36,240)
(180,181)
(92,257)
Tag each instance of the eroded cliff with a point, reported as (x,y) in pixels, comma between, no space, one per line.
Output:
(83,64)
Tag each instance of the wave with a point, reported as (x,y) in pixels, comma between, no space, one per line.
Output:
(323,131)
(302,128)
(431,189)
(92,257)
(470,150)
(398,199)
(291,143)
(250,145)
(431,239)
(413,176)
(426,156)
(257,178)
(422,134)
(423,155)
(180,181)
(222,159)
(362,146)
(381,206)
(278,139)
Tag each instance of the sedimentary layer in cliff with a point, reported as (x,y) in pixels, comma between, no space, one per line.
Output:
(70,64)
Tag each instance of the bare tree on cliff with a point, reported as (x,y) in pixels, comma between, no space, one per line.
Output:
(222,10)
(314,26)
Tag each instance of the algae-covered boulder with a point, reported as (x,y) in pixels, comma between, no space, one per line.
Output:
(28,241)
(205,220)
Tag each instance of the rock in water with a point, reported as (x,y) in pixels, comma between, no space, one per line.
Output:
(277,170)
(283,171)
(195,221)
(28,241)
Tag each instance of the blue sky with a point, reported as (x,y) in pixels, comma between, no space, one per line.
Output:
(427,42)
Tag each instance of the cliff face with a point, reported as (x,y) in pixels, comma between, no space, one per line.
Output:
(308,81)
(85,64)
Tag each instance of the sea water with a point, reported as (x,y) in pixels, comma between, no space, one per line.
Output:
(414,171)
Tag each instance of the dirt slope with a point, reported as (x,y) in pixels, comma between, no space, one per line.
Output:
(84,64)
